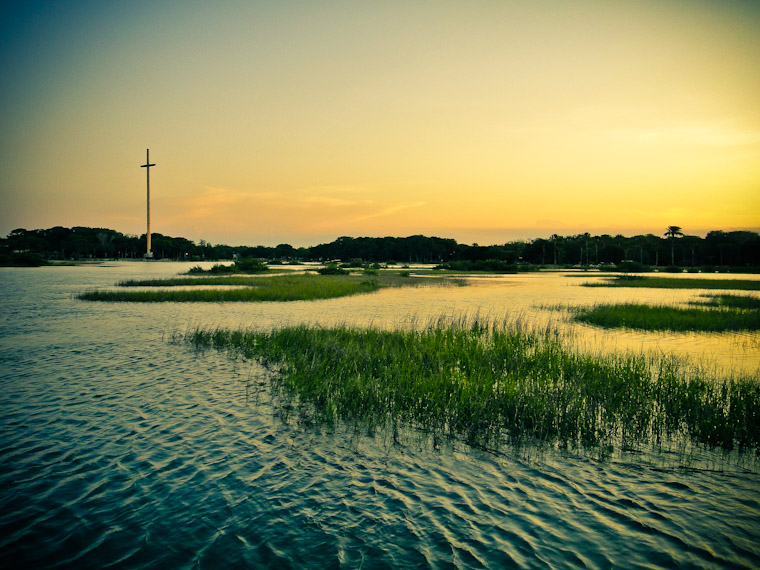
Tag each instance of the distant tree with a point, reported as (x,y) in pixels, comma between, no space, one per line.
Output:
(715,244)
(651,249)
(22,239)
(105,239)
(672,233)
(584,245)
(554,239)
(284,251)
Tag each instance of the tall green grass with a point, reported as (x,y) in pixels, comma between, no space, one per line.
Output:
(731,301)
(285,287)
(675,283)
(489,383)
(665,318)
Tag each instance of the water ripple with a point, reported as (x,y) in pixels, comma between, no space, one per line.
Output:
(120,450)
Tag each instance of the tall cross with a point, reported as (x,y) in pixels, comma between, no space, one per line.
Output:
(147,166)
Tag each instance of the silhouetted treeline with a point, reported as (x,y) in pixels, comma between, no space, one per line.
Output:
(738,249)
(83,243)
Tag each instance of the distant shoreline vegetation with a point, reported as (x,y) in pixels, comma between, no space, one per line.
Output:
(718,251)
(244,265)
(22,259)
(484,265)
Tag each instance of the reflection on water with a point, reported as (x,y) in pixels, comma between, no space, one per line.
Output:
(118,448)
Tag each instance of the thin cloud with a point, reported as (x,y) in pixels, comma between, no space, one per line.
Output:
(694,136)
(333,189)
(389,210)
(328,201)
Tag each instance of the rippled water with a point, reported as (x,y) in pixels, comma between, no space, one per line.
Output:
(120,449)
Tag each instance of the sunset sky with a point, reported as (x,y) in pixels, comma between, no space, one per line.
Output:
(299,122)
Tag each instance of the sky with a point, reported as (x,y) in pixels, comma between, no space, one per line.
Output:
(302,121)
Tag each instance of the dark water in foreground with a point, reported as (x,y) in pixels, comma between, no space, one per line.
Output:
(119,449)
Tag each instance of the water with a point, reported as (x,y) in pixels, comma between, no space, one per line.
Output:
(120,449)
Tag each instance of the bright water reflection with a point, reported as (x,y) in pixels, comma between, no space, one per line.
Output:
(530,297)
(118,448)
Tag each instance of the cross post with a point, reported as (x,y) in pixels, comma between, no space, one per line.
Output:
(146,166)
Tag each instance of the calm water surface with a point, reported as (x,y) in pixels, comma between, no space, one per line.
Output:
(119,449)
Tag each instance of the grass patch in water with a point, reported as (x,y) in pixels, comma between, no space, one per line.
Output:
(489,383)
(300,287)
(674,283)
(193,281)
(731,302)
(663,318)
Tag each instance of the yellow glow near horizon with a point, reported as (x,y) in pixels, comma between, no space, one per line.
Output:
(279,122)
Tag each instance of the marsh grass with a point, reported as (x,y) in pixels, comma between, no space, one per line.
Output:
(712,317)
(717,313)
(241,280)
(285,287)
(675,283)
(730,301)
(489,383)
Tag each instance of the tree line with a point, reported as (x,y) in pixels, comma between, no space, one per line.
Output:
(719,249)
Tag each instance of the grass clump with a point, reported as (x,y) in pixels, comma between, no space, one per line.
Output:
(332,268)
(298,287)
(671,283)
(242,265)
(664,318)
(491,383)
